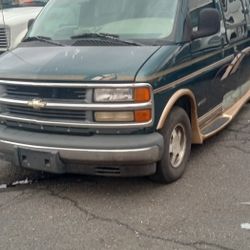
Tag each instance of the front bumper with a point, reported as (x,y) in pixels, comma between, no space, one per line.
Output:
(123,155)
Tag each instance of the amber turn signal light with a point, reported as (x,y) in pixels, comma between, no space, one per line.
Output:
(143,115)
(142,94)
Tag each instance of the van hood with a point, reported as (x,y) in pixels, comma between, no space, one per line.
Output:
(75,63)
(17,15)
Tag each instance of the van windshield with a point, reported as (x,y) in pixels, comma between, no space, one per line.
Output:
(7,4)
(127,19)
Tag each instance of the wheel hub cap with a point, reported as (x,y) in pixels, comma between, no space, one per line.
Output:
(178,144)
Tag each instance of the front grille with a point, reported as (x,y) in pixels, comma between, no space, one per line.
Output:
(53,114)
(3,38)
(31,92)
(30,115)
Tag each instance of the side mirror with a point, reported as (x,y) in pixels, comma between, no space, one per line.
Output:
(208,24)
(30,23)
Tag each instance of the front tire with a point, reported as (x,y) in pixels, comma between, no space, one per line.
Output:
(177,134)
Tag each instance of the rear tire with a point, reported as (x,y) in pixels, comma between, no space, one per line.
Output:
(177,134)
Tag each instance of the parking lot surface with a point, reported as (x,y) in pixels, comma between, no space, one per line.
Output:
(209,208)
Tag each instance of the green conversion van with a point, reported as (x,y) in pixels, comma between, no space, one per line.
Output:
(123,87)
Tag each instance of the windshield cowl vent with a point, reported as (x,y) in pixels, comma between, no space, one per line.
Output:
(99,42)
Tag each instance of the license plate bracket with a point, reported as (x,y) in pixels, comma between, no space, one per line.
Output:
(40,160)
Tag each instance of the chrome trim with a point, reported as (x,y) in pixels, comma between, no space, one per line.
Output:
(75,85)
(14,101)
(233,67)
(193,75)
(81,106)
(74,149)
(74,124)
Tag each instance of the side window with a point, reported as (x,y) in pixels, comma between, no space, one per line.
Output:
(195,6)
(235,20)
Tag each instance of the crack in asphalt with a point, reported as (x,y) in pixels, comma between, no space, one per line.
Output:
(198,245)
(14,199)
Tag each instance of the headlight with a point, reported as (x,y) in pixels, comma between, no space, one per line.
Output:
(134,96)
(114,95)
(141,94)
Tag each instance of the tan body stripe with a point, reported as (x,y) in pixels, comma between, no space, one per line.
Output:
(193,75)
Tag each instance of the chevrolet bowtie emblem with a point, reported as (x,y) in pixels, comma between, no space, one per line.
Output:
(37,104)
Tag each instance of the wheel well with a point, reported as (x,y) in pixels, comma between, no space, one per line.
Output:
(185,99)
(184,102)
(189,105)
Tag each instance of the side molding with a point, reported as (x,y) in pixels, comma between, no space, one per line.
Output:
(235,64)
(197,137)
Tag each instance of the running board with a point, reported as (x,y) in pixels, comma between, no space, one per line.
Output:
(214,127)
(224,119)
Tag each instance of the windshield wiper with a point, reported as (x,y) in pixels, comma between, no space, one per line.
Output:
(94,35)
(112,37)
(42,39)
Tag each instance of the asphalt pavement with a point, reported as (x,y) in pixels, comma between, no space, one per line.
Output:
(209,208)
